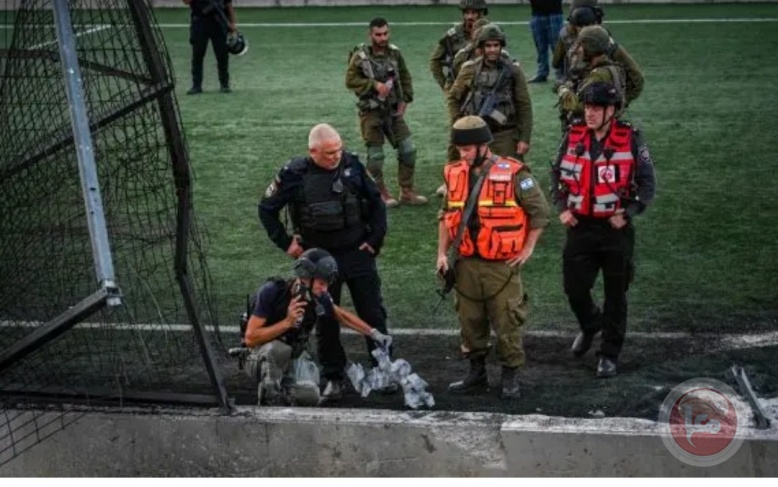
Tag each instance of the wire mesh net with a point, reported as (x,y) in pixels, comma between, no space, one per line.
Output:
(46,260)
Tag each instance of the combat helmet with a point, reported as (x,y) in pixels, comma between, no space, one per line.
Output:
(585,9)
(601,93)
(316,263)
(470,130)
(474,5)
(491,32)
(237,44)
(594,40)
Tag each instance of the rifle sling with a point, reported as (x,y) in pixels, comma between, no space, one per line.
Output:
(472,199)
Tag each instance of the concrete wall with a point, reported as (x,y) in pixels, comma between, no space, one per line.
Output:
(340,442)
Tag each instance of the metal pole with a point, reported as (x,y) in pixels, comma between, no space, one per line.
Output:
(90,183)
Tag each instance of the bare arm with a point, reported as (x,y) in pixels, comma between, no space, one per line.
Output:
(231,16)
(259,333)
(351,320)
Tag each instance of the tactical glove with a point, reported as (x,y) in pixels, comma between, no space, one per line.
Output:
(383,341)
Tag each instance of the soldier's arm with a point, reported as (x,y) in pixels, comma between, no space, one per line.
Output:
(645,179)
(558,57)
(558,193)
(523,104)
(405,79)
(279,194)
(634,74)
(436,64)
(356,80)
(459,90)
(531,198)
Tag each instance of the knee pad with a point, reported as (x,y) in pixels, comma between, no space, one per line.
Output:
(406,152)
(375,158)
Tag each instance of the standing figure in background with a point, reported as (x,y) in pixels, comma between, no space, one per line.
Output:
(545,24)
(207,23)
(379,77)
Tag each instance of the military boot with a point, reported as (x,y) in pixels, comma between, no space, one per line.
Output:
(509,383)
(405,178)
(475,381)
(388,199)
(410,197)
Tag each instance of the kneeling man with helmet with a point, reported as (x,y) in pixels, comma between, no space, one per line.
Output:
(283,315)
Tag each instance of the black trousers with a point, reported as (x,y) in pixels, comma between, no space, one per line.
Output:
(201,30)
(591,246)
(357,269)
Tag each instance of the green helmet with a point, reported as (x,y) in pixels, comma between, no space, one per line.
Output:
(470,130)
(491,32)
(474,5)
(594,39)
(478,25)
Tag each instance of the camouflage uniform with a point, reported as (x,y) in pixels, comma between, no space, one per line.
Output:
(595,66)
(455,38)
(474,83)
(378,119)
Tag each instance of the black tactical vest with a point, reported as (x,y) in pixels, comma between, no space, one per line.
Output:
(328,209)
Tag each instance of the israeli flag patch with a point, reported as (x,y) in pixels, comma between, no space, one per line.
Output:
(527,184)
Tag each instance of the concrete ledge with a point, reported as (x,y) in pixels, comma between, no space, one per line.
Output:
(349,442)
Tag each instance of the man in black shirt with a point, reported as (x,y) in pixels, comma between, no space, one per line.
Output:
(207,23)
(283,316)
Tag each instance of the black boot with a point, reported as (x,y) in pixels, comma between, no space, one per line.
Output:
(476,380)
(510,383)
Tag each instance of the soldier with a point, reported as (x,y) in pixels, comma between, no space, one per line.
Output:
(471,50)
(602,179)
(207,24)
(282,318)
(495,89)
(492,216)
(591,59)
(336,207)
(455,39)
(377,74)
(584,13)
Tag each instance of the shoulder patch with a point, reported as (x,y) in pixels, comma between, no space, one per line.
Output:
(527,184)
(644,155)
(451,32)
(393,47)
(271,190)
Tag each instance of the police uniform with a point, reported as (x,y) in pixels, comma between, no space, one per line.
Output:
(474,83)
(336,210)
(273,363)
(206,24)
(378,117)
(596,180)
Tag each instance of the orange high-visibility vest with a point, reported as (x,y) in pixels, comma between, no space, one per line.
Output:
(596,188)
(502,222)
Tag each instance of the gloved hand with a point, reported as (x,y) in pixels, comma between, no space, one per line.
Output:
(383,341)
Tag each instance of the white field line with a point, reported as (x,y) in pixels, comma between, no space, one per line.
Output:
(728,341)
(92,30)
(436,23)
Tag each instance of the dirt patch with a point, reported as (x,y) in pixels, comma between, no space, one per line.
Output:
(554,382)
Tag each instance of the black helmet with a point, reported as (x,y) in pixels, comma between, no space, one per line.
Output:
(237,44)
(583,16)
(601,93)
(316,263)
(470,130)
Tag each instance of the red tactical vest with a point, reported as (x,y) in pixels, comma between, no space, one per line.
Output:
(503,223)
(596,188)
